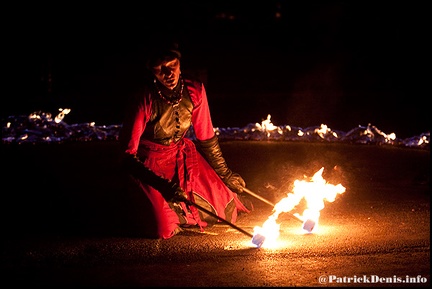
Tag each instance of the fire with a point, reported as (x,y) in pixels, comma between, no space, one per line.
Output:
(266,125)
(61,115)
(314,192)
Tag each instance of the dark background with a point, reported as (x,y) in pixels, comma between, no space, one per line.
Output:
(339,63)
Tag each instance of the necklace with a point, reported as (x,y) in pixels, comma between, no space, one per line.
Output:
(174,101)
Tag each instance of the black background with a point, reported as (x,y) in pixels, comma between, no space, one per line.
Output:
(339,63)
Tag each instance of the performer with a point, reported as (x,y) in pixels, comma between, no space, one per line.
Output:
(167,166)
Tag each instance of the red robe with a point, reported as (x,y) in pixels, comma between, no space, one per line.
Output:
(195,175)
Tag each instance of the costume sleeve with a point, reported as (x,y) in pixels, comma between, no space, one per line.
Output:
(201,119)
(137,113)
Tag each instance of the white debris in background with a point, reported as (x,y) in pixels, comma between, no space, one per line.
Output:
(39,127)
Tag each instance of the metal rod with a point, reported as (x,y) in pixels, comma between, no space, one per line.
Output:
(258,197)
(188,202)
(246,190)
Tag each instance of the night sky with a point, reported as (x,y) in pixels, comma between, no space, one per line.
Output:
(340,63)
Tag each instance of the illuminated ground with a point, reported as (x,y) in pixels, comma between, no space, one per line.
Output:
(67,222)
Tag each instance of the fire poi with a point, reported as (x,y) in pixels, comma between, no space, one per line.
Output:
(308,225)
(314,192)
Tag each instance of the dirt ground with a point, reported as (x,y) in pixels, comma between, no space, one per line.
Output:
(67,221)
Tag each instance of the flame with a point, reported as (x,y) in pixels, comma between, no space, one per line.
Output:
(266,126)
(314,192)
(62,114)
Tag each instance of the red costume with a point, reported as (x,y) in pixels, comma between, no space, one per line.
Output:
(154,131)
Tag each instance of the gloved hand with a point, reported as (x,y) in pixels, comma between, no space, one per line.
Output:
(174,193)
(171,191)
(212,152)
(235,182)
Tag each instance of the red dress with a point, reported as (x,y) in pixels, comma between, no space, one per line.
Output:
(155,131)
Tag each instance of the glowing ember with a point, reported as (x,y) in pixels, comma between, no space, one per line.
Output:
(314,192)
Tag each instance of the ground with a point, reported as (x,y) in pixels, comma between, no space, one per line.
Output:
(68,222)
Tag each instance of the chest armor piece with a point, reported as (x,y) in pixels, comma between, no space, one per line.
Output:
(169,122)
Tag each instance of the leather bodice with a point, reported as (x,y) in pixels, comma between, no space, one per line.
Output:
(169,123)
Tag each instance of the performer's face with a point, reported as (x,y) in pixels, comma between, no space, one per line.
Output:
(167,72)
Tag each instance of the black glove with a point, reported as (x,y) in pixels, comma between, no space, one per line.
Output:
(235,182)
(176,195)
(212,152)
(171,191)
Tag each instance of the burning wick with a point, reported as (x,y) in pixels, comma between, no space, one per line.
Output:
(314,192)
(258,240)
(309,225)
